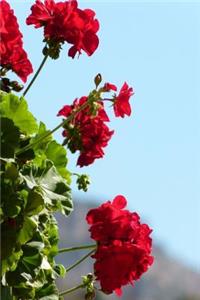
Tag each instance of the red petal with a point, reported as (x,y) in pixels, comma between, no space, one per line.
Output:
(119,202)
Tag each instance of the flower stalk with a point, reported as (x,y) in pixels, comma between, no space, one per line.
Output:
(93,246)
(36,75)
(79,261)
(72,290)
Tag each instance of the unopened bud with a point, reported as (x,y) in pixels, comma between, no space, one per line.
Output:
(97,79)
(6,81)
(83,182)
(16,86)
(45,51)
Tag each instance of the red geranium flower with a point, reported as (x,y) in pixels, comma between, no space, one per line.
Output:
(120,264)
(121,102)
(13,56)
(65,22)
(86,133)
(123,245)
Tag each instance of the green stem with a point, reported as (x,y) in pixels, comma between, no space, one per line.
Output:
(79,261)
(36,75)
(69,119)
(72,289)
(76,248)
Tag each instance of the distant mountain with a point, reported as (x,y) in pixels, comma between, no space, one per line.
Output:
(167,279)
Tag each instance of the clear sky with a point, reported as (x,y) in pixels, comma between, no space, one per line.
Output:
(153,158)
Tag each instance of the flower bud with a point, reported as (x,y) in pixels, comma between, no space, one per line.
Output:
(16,86)
(83,182)
(97,79)
(4,85)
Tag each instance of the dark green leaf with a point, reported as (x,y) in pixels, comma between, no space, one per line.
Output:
(11,171)
(9,137)
(35,202)
(5,293)
(8,235)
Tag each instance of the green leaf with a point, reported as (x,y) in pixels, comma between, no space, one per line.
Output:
(60,270)
(5,293)
(11,202)
(10,263)
(50,149)
(58,155)
(8,235)
(17,109)
(41,146)
(24,292)
(11,171)
(50,235)
(11,209)
(36,245)
(48,292)
(9,138)
(27,231)
(35,202)
(34,260)
(56,193)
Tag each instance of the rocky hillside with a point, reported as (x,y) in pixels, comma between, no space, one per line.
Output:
(166,280)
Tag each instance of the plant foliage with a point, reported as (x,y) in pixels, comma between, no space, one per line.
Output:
(34,185)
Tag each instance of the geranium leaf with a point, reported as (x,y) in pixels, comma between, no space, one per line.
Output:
(35,202)
(17,109)
(42,131)
(58,155)
(48,292)
(9,138)
(55,191)
(27,231)
(60,270)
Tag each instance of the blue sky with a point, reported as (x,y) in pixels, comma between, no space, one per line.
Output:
(153,158)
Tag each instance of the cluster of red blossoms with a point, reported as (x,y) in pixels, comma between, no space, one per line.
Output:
(65,22)
(13,56)
(123,245)
(87,132)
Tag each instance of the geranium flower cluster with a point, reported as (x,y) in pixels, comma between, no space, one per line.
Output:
(123,245)
(13,56)
(65,22)
(87,132)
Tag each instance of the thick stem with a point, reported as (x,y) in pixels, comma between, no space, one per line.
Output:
(79,261)
(69,119)
(77,248)
(72,289)
(36,75)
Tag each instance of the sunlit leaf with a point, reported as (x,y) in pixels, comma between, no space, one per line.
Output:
(17,110)
(27,231)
